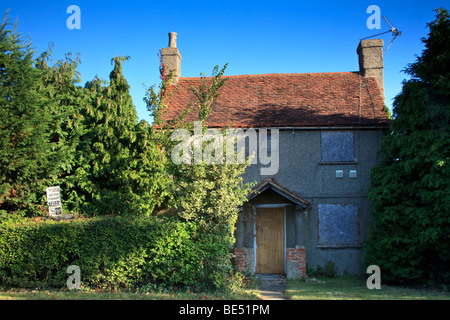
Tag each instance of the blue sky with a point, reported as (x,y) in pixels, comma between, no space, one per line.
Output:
(254,37)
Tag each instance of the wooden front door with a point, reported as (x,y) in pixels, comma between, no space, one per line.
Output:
(270,240)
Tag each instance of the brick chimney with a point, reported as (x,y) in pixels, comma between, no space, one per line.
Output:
(171,58)
(370,54)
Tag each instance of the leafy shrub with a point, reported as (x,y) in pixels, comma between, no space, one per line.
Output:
(112,253)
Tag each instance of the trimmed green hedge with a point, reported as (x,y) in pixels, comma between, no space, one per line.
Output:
(112,253)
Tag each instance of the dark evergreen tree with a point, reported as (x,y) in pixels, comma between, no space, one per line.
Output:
(28,159)
(67,99)
(411,188)
(120,170)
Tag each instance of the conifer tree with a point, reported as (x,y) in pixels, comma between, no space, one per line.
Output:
(65,102)
(120,170)
(27,157)
(411,187)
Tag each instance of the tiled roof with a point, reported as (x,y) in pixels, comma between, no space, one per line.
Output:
(288,100)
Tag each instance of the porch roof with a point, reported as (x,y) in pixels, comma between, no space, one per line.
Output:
(270,183)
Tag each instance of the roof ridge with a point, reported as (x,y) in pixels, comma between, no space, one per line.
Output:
(277,74)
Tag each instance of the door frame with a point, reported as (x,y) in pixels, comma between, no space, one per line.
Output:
(270,206)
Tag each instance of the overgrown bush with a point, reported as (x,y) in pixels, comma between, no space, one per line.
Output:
(112,253)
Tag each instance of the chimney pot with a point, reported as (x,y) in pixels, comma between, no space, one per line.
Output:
(172,39)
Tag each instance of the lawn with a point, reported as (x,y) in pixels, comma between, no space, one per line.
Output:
(22,294)
(354,288)
(248,291)
(338,288)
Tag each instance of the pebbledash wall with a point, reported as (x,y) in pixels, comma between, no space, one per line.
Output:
(336,222)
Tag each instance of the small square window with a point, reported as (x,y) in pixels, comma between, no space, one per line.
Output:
(337,146)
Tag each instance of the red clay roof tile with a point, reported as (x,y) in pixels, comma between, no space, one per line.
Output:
(288,100)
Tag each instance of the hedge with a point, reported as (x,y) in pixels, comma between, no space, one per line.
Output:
(111,252)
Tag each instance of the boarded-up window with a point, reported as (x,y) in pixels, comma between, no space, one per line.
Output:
(337,146)
(338,224)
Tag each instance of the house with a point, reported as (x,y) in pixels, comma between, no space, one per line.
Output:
(328,127)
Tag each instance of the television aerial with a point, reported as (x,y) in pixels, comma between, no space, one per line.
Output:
(395,33)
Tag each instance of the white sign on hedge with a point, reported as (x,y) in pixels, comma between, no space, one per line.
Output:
(54,201)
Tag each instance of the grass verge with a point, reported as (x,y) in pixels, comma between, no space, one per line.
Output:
(354,288)
(245,289)
(22,294)
(320,288)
